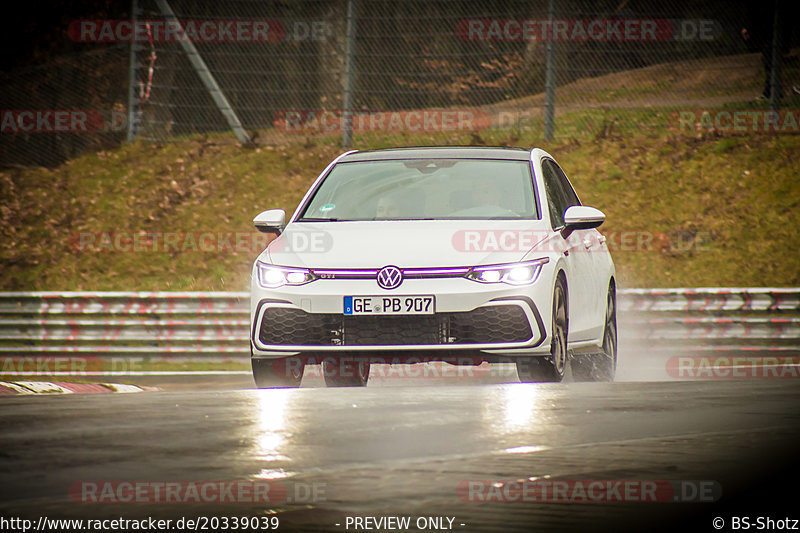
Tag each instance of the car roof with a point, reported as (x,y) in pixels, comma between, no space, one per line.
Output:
(440,152)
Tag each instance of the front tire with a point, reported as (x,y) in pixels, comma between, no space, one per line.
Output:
(550,368)
(283,373)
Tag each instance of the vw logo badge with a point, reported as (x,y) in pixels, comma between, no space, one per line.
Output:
(389,277)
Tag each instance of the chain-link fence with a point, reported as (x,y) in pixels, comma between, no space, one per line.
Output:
(268,69)
(56,111)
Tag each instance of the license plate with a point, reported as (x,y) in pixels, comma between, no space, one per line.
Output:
(389,305)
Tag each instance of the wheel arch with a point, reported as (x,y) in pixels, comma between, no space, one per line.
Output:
(561,274)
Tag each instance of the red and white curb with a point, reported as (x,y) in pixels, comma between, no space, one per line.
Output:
(9,388)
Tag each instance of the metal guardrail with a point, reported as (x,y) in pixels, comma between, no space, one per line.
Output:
(711,300)
(208,324)
(747,320)
(124,323)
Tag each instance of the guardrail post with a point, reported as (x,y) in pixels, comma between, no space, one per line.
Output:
(133,98)
(349,76)
(777,57)
(550,77)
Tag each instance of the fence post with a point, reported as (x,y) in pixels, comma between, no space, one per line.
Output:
(133,98)
(550,76)
(349,76)
(777,58)
(206,77)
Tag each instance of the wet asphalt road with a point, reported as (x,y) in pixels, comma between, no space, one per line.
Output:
(405,450)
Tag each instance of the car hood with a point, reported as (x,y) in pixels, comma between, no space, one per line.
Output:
(417,243)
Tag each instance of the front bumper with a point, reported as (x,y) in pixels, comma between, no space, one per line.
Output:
(470,317)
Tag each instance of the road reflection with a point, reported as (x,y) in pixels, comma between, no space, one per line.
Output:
(274,407)
(520,405)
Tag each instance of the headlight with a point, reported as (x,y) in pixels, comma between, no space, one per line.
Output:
(272,277)
(512,273)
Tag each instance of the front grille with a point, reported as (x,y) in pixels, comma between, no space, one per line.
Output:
(383,330)
(283,325)
(485,325)
(498,323)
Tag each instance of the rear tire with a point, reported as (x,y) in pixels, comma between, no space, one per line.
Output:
(550,368)
(601,366)
(346,371)
(283,373)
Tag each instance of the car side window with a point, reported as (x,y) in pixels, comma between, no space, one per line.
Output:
(566,187)
(557,200)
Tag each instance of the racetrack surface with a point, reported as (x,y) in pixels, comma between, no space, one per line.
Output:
(411,448)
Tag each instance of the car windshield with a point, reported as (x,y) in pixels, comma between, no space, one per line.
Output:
(424,189)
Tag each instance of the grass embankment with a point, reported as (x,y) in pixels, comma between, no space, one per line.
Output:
(682,209)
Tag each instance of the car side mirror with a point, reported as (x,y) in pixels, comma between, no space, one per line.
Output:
(271,221)
(581,217)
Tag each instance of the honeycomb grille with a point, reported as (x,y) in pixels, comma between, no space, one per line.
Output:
(281,325)
(499,323)
(485,325)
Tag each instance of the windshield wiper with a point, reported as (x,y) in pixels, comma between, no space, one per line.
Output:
(317,219)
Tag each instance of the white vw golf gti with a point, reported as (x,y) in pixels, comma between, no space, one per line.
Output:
(456,254)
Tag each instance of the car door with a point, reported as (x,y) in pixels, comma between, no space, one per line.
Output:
(591,241)
(578,263)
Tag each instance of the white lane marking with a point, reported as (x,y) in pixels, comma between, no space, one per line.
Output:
(19,388)
(44,387)
(122,387)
